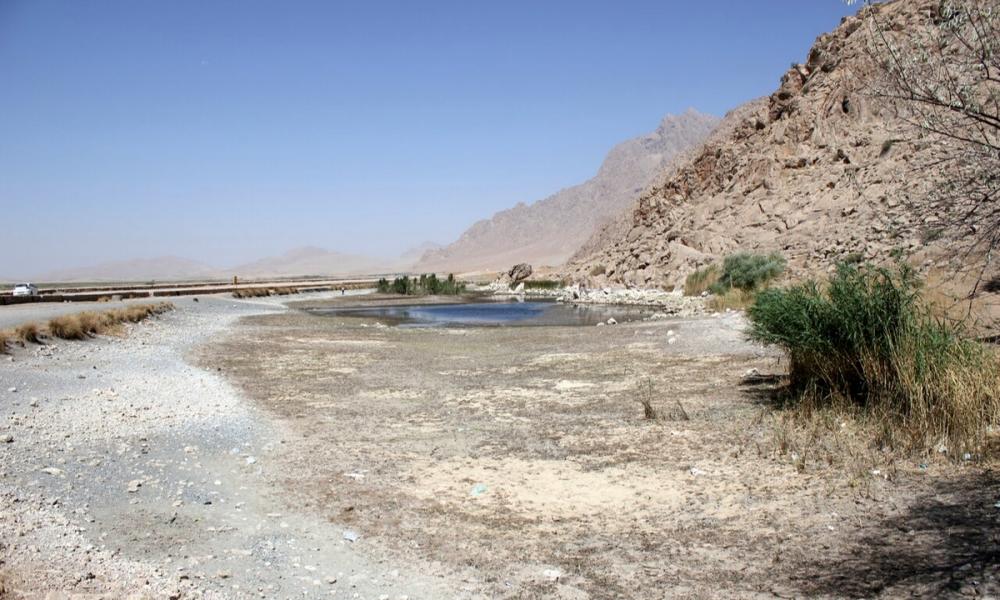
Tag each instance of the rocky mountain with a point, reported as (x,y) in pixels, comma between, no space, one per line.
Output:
(413,255)
(620,224)
(820,171)
(551,230)
(164,268)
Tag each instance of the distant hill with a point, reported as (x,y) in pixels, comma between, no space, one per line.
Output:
(310,260)
(413,255)
(307,260)
(549,231)
(164,268)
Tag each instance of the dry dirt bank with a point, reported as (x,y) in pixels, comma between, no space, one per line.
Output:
(517,460)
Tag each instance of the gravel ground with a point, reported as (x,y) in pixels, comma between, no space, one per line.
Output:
(127,471)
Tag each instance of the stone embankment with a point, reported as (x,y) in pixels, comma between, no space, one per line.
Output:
(671,303)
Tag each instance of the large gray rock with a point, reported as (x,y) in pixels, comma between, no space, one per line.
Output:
(519,273)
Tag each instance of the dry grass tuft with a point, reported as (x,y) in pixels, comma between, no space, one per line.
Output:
(264,292)
(734,299)
(701,280)
(647,393)
(29,332)
(4,336)
(67,327)
(86,324)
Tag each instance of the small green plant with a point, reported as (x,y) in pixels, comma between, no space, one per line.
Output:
(748,272)
(867,340)
(854,258)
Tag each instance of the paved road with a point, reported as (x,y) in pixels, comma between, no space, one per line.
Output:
(17,314)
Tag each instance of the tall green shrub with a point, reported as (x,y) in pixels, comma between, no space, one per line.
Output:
(748,272)
(867,338)
(425,284)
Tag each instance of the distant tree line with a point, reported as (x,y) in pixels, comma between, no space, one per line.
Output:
(423,285)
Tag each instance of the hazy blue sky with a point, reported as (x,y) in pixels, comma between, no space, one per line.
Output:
(225,131)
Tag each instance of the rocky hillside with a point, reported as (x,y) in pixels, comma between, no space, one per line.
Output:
(821,171)
(549,231)
(620,224)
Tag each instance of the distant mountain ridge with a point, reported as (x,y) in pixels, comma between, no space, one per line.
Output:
(310,260)
(303,261)
(549,231)
(142,269)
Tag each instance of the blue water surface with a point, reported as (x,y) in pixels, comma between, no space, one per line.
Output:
(495,314)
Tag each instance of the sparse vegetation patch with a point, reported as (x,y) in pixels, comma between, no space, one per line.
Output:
(423,285)
(735,283)
(543,284)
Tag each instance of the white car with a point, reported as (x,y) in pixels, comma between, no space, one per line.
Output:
(25,289)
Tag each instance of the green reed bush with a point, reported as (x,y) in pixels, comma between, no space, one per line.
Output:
(866,339)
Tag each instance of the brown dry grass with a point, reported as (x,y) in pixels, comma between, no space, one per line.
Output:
(701,280)
(67,327)
(86,324)
(735,299)
(4,336)
(265,292)
(29,332)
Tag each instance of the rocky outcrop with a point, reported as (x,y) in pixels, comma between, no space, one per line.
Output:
(819,172)
(669,303)
(519,273)
(549,231)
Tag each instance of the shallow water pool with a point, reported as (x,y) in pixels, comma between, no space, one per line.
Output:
(493,314)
